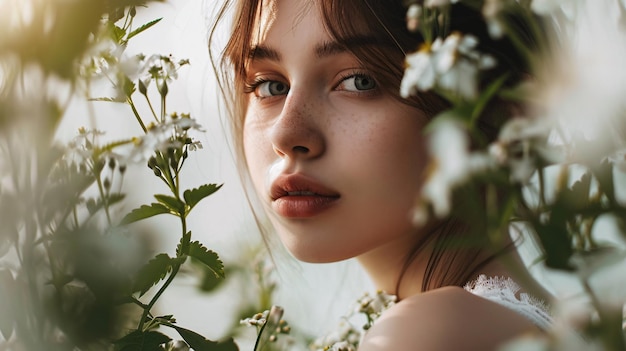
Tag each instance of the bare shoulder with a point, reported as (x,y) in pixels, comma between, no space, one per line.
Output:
(448,318)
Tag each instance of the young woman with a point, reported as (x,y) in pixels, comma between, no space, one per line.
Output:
(337,158)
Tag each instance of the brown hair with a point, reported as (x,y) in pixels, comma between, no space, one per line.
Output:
(455,256)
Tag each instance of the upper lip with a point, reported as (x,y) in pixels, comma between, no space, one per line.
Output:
(287,184)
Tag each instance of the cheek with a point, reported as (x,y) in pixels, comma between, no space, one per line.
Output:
(257,152)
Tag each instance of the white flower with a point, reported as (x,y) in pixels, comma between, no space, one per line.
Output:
(452,64)
(159,137)
(413,17)
(521,143)
(437,3)
(449,149)
(618,159)
(550,7)
(491,12)
(419,75)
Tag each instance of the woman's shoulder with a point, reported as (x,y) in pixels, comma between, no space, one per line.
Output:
(448,318)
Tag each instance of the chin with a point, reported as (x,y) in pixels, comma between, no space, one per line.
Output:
(315,254)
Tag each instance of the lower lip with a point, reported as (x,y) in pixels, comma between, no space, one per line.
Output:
(302,206)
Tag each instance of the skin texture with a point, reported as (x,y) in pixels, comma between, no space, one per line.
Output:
(362,144)
(314,113)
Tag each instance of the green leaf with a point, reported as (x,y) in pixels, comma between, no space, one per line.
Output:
(7,291)
(143,28)
(174,204)
(200,343)
(208,257)
(152,273)
(142,341)
(116,33)
(484,98)
(193,196)
(143,212)
(604,175)
(183,246)
(128,87)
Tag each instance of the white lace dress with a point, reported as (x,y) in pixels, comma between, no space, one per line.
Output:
(504,292)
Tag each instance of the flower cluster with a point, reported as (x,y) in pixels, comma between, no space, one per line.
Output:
(554,156)
(346,337)
(451,65)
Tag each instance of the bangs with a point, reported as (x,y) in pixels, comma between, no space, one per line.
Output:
(383,23)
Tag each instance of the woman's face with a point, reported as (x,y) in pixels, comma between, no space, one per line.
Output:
(336,162)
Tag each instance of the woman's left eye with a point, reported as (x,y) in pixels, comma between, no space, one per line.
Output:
(357,83)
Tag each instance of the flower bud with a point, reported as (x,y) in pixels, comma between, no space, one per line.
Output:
(152,162)
(163,89)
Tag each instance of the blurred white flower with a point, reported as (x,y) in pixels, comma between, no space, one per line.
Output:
(451,64)
(521,144)
(159,137)
(413,15)
(550,7)
(618,159)
(451,165)
(586,79)
(420,73)
(437,3)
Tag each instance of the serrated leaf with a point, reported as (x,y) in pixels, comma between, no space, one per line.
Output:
(172,203)
(128,87)
(144,212)
(7,299)
(116,32)
(183,246)
(142,341)
(200,343)
(208,257)
(153,272)
(143,28)
(193,196)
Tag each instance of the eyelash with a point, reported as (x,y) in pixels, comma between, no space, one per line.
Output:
(357,73)
(251,86)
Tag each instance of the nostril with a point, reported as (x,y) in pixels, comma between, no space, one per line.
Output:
(300,149)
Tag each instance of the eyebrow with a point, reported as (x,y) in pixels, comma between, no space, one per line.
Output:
(325,49)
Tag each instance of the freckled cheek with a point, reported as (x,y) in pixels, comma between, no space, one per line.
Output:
(258,152)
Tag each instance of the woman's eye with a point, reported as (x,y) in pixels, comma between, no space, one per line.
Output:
(357,82)
(271,88)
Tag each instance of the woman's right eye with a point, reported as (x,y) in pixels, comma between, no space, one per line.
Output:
(271,88)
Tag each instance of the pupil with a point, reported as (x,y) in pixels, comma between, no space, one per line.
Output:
(277,88)
(363,83)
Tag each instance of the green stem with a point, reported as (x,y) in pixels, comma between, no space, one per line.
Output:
(156,118)
(105,204)
(136,113)
(163,108)
(156,297)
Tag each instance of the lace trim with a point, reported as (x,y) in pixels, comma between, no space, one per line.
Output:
(503,291)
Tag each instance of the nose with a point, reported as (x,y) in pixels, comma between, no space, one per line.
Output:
(298,132)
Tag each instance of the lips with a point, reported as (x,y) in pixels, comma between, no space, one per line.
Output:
(297,196)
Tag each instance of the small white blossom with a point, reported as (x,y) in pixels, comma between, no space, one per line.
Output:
(451,64)
(159,137)
(346,337)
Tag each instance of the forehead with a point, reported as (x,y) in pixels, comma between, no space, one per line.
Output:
(283,17)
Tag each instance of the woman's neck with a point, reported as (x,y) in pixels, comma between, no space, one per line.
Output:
(387,265)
